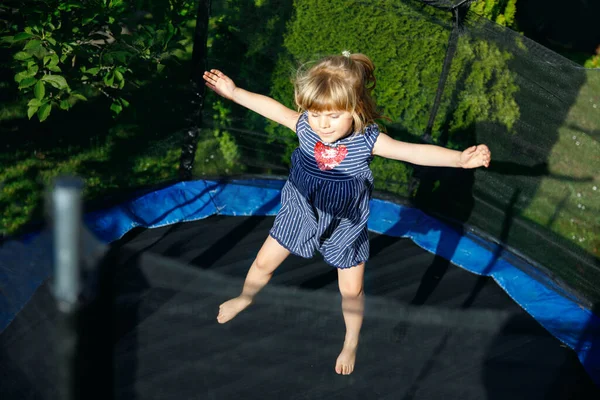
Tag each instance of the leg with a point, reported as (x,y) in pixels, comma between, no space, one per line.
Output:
(353,304)
(269,257)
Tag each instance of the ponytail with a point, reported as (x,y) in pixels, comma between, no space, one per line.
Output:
(343,82)
(368,70)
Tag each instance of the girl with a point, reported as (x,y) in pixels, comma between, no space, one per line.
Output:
(325,201)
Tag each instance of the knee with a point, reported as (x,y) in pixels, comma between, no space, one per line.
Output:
(263,265)
(351,290)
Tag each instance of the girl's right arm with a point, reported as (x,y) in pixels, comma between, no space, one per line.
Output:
(263,105)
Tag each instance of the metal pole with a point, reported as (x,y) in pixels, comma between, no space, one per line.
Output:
(199,56)
(450,50)
(66,217)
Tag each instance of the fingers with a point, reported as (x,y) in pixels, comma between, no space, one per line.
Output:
(218,82)
(485,154)
(213,76)
(478,156)
(484,149)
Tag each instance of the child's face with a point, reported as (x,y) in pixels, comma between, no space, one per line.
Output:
(330,125)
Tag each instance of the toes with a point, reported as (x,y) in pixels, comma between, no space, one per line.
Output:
(344,369)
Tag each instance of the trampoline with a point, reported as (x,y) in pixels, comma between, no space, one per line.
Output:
(481,284)
(432,329)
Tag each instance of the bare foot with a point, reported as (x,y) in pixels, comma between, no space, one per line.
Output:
(344,364)
(231,308)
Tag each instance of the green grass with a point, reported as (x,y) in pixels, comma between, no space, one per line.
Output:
(571,207)
(25,182)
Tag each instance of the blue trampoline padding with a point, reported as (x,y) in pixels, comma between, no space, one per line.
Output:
(187,201)
(575,326)
(572,324)
(24,265)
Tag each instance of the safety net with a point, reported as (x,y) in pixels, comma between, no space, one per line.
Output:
(445,76)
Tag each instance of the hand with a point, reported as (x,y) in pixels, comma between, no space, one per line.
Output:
(220,83)
(475,157)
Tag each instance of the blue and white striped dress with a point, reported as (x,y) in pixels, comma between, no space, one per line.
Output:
(325,201)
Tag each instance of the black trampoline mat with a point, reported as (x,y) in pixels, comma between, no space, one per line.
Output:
(431,330)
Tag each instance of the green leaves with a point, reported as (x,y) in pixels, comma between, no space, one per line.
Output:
(27,82)
(92,71)
(109,78)
(51,62)
(44,111)
(118,78)
(41,107)
(78,96)
(22,55)
(33,45)
(40,90)
(57,81)
(69,5)
(502,12)
(31,111)
(22,75)
(88,19)
(62,47)
(22,36)
(118,105)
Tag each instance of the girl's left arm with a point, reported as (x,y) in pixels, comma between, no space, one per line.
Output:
(431,155)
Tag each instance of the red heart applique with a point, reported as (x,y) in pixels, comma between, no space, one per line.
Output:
(329,157)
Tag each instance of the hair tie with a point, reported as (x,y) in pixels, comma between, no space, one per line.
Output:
(346,53)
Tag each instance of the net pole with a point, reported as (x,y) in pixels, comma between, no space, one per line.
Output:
(459,14)
(67,284)
(199,57)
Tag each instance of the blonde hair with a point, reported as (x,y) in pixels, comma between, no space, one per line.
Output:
(343,82)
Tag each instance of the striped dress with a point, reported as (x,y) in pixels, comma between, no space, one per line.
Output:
(325,201)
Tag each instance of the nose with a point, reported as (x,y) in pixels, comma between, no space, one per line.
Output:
(324,122)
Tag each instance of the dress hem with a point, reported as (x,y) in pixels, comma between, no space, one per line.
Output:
(278,240)
(352,266)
